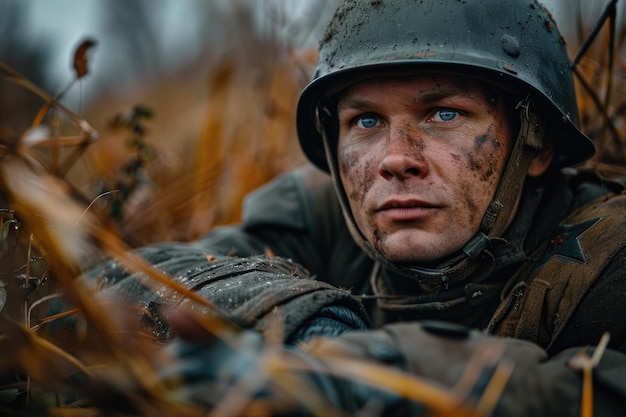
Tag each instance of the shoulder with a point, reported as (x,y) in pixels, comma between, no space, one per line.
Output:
(592,227)
(574,277)
(294,199)
(588,255)
(582,269)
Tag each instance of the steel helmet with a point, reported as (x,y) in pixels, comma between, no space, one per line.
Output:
(514,44)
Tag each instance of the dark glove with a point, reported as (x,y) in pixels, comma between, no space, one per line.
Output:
(405,369)
(242,368)
(478,373)
(203,373)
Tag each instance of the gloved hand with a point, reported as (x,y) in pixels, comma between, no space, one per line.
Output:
(204,373)
(407,369)
(241,367)
(477,374)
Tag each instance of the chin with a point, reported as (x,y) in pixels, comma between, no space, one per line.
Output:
(418,254)
(408,256)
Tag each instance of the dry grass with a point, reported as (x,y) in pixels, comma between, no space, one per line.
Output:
(600,72)
(73,193)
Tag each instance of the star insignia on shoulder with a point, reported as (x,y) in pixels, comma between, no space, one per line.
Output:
(566,243)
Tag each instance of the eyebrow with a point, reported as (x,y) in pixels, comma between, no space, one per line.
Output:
(356,104)
(449,91)
(440,95)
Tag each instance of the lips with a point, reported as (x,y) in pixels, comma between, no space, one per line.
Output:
(407,204)
(406,210)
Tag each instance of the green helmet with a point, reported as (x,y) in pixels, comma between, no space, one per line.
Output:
(514,44)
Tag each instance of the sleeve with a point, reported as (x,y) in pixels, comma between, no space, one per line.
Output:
(250,291)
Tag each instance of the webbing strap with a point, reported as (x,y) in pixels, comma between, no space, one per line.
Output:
(529,141)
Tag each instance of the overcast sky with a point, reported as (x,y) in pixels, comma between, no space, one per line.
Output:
(64,23)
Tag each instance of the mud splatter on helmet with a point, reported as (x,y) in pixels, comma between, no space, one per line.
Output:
(513,43)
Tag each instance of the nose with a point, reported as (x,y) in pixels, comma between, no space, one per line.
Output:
(403,156)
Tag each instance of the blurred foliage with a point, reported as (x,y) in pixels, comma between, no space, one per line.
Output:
(600,70)
(171,165)
(18,106)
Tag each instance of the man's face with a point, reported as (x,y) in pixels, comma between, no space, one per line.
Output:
(420,159)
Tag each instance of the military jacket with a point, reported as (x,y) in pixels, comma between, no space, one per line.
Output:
(567,289)
(560,278)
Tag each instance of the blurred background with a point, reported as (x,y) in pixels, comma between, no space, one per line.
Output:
(141,40)
(220,80)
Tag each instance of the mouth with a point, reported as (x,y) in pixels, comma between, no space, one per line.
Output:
(406,210)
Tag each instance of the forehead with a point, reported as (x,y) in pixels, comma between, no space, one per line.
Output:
(428,87)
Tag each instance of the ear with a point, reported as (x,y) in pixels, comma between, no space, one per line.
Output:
(540,163)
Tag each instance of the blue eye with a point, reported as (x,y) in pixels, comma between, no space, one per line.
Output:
(446,115)
(367,122)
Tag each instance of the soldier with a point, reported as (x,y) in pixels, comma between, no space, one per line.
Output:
(445,127)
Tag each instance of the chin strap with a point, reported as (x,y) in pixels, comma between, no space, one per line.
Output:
(529,142)
(474,258)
